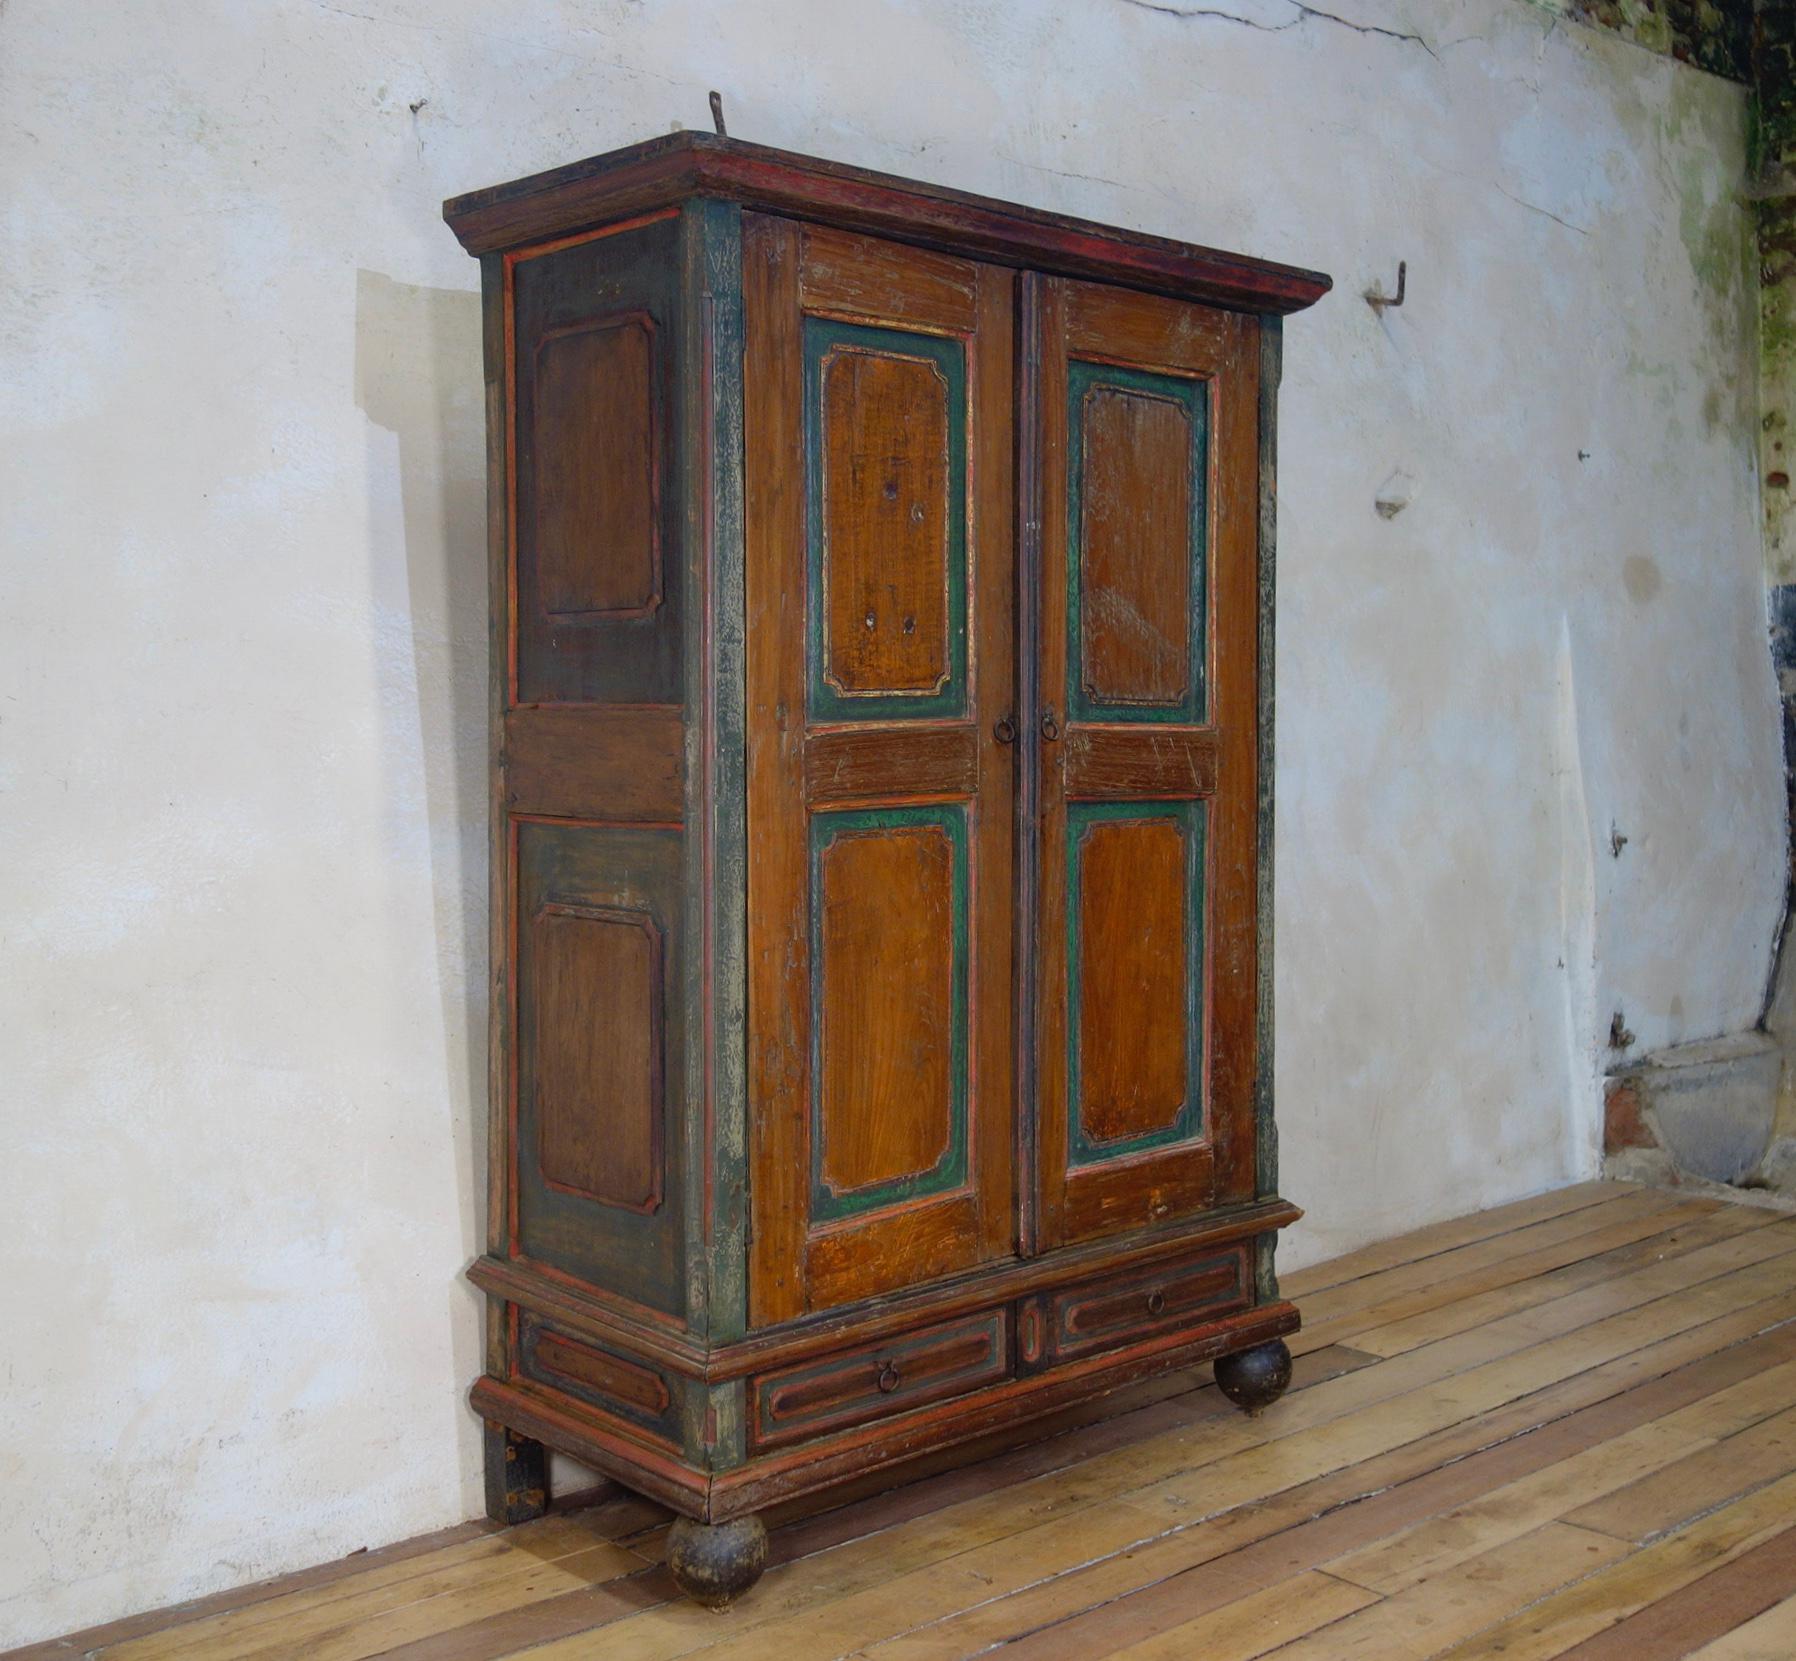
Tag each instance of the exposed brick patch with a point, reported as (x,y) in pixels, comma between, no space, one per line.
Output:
(1624,1124)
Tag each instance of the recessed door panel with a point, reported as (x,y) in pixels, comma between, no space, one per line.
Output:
(889,960)
(598,543)
(1145,758)
(600,1068)
(1135,972)
(886,476)
(1135,534)
(595,372)
(880,571)
(598,1042)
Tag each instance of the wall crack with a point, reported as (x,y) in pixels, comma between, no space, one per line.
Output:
(1547,213)
(1302,15)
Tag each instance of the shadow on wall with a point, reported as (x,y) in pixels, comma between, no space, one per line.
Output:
(419,380)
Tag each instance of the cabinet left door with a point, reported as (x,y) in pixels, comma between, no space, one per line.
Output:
(880,562)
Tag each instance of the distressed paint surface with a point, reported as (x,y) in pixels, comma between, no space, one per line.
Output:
(1172,1096)
(242,683)
(839,687)
(1183,677)
(898,913)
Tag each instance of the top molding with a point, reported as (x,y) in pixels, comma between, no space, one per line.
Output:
(662,171)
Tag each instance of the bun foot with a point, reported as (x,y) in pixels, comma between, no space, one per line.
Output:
(1254,1379)
(715,1563)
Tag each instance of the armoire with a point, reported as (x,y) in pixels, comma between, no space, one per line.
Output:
(881,849)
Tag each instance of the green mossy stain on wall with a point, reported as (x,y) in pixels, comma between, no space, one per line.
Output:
(1716,235)
(1715,35)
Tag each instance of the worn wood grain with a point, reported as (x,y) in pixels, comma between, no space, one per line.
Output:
(880,900)
(886,942)
(1108,763)
(885,513)
(601,762)
(1135,504)
(598,463)
(1767,1637)
(1132,905)
(858,766)
(778,951)
(1727,1598)
(598,1019)
(1402,1505)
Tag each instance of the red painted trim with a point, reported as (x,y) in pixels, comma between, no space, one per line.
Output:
(570,202)
(628,1308)
(537,250)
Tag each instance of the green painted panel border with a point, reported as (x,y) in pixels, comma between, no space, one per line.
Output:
(1193,396)
(948,356)
(1191,818)
(950,1171)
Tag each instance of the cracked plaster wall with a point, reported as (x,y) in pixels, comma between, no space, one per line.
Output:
(242,649)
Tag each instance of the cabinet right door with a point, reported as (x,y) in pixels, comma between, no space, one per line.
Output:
(1146,730)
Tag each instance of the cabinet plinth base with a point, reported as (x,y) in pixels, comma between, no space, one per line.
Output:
(993,1414)
(715,1563)
(1254,1379)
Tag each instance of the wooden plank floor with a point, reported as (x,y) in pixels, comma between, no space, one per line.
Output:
(1562,1428)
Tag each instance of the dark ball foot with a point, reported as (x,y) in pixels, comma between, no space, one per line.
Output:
(1255,1378)
(715,1563)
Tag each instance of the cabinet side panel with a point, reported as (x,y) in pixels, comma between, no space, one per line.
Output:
(594,948)
(599,1015)
(601,1063)
(597,578)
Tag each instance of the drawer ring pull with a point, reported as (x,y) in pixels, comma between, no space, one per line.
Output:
(888,1377)
(1156,1302)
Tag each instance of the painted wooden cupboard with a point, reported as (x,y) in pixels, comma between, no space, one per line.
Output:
(881,886)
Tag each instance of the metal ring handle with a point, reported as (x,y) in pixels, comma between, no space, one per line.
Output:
(888,1377)
(1004,730)
(1050,728)
(1156,1302)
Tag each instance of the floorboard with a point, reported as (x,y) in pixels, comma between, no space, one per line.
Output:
(1562,1428)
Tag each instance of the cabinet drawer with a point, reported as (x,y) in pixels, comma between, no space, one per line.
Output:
(627,1388)
(1145,1303)
(871,1381)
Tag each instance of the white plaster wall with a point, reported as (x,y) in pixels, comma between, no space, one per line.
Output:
(242,658)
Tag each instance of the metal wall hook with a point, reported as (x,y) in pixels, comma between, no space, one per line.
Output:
(717,114)
(1379,301)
